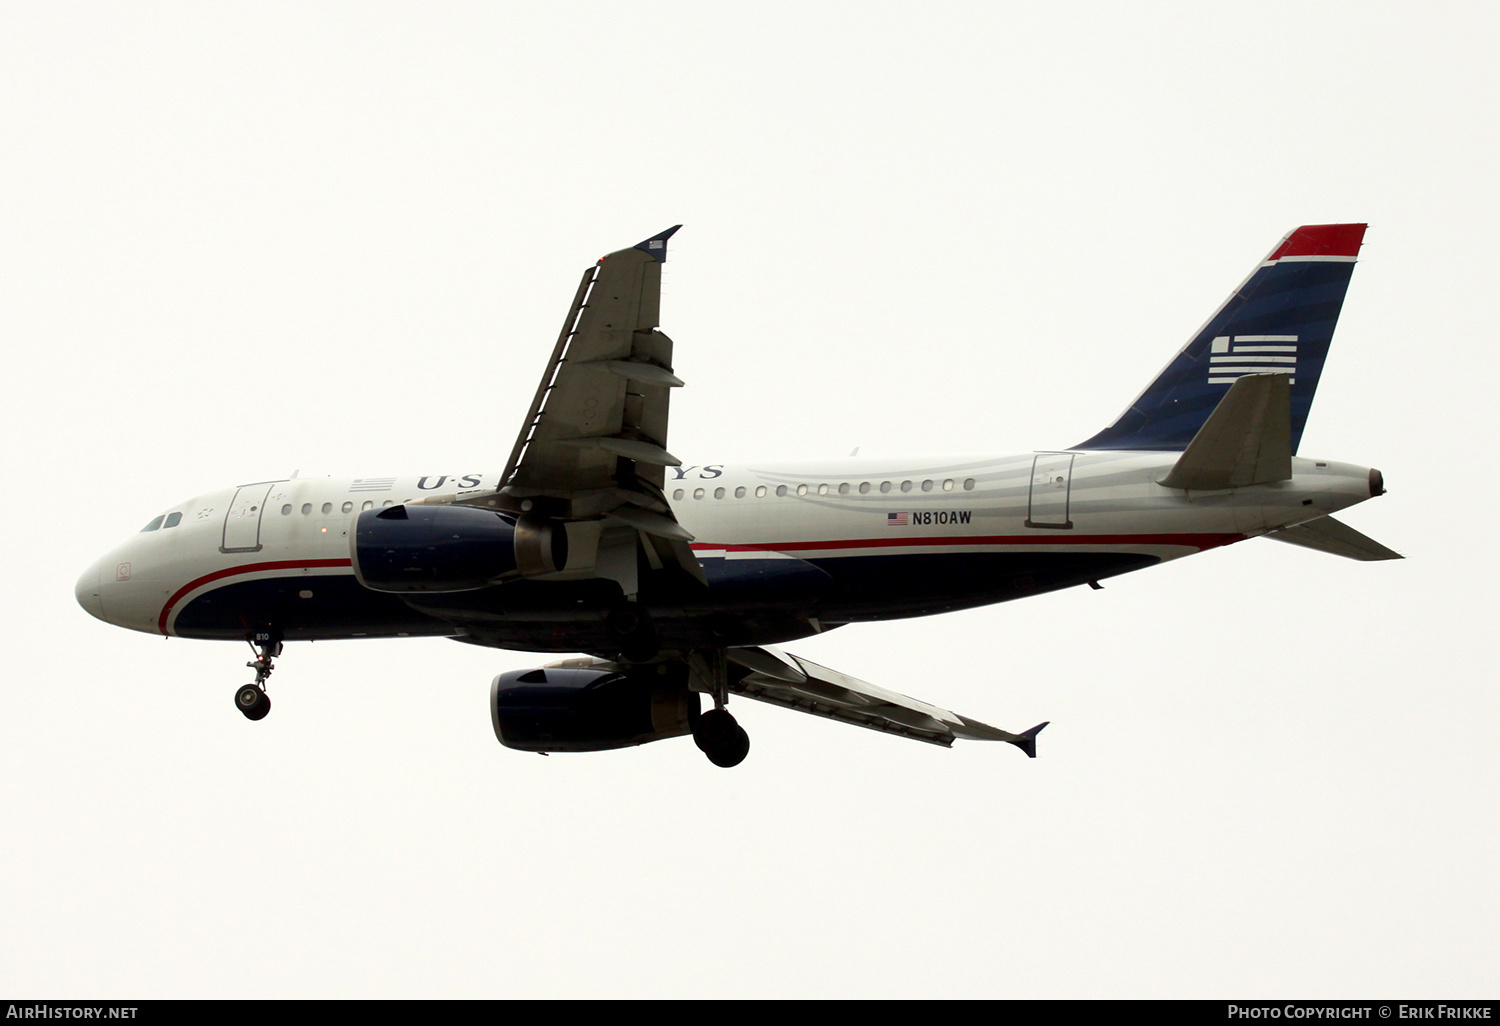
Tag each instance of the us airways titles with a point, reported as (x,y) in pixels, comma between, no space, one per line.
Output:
(432,482)
(466,481)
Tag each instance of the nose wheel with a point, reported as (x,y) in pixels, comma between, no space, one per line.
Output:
(252,699)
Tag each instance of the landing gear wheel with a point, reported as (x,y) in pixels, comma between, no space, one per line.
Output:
(253,702)
(721,738)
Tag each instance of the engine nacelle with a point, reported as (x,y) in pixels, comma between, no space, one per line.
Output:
(450,548)
(556,709)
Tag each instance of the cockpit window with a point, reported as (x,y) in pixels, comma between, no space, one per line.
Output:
(153,525)
(173,519)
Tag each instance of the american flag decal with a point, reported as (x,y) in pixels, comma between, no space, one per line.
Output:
(372,484)
(1233,356)
(898,520)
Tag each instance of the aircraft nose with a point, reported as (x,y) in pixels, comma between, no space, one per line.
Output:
(88,592)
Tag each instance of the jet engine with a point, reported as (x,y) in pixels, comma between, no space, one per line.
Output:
(591,708)
(451,548)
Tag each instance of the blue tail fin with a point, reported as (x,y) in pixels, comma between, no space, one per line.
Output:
(1280,320)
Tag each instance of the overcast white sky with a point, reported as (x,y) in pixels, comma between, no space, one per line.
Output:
(241,240)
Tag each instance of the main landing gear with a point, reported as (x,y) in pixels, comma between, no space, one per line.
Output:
(717,733)
(252,699)
(721,738)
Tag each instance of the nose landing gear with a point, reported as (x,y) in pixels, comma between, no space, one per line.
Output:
(252,699)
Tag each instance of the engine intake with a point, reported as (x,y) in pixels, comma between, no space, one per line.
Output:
(590,710)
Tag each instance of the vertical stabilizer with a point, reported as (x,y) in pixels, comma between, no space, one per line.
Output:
(1279,321)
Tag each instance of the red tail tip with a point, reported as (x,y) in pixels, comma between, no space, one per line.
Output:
(1322,240)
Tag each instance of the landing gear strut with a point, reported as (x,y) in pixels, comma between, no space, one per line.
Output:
(716,732)
(252,699)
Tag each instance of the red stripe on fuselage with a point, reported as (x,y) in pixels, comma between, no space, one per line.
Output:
(1192,541)
(248,568)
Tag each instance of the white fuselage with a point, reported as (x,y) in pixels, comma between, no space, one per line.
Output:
(896,514)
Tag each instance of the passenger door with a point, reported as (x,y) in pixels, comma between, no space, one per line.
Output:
(242,522)
(1051,481)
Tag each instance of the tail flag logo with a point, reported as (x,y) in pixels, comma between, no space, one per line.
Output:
(1234,356)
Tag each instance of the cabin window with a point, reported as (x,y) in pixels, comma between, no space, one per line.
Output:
(387,502)
(926,486)
(286,510)
(968,484)
(802,489)
(760,491)
(718,493)
(885,486)
(822,489)
(781,489)
(368,504)
(697,493)
(327,508)
(864,488)
(739,493)
(844,488)
(173,519)
(906,486)
(348,507)
(677,494)
(948,485)
(154,525)
(307,509)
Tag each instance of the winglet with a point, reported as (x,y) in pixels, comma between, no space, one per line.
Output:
(1026,740)
(656,246)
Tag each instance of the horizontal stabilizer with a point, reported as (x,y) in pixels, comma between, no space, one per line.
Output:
(1329,535)
(1247,440)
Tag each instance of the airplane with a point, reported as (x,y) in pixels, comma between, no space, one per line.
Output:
(681,580)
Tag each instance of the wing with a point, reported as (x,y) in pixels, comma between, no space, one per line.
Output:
(796,683)
(594,443)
